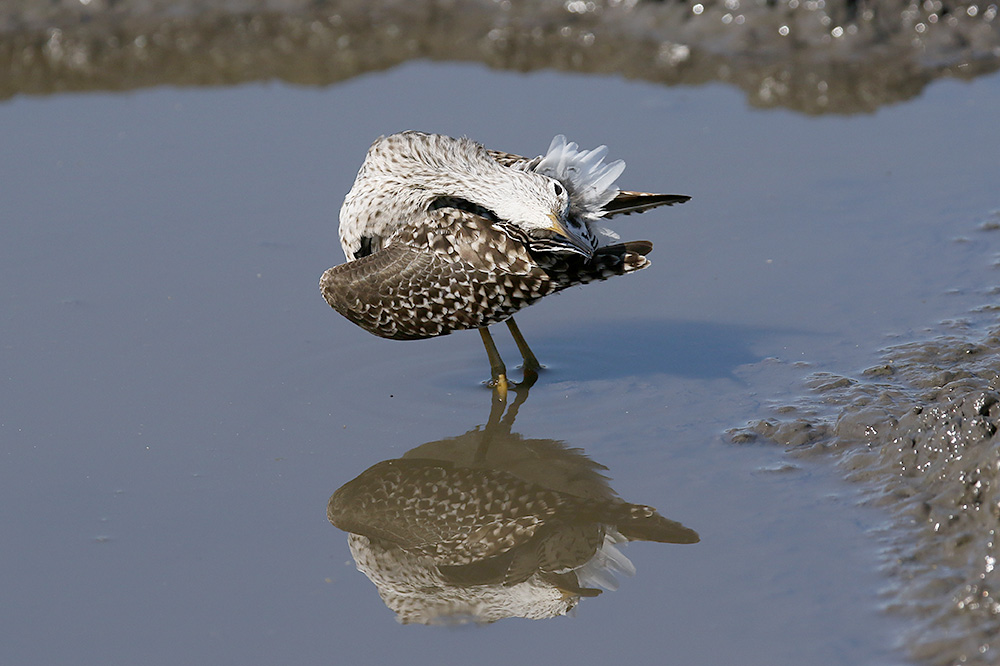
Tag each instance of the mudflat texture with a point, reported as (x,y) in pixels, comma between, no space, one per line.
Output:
(919,433)
(816,56)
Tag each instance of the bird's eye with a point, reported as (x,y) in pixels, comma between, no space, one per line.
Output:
(558,188)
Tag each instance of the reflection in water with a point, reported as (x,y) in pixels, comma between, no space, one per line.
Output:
(839,56)
(490,525)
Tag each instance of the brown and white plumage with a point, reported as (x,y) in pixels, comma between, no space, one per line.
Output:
(446,542)
(442,234)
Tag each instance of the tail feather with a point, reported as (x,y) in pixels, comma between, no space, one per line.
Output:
(590,182)
(568,270)
(639,202)
(643,523)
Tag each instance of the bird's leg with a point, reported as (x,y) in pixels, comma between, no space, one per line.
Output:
(497,369)
(531,365)
(499,423)
(520,396)
(493,427)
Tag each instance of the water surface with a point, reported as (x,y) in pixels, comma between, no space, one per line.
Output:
(179,403)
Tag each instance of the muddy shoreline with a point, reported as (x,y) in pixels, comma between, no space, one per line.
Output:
(812,57)
(918,433)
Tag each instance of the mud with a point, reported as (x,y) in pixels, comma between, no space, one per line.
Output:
(918,432)
(820,56)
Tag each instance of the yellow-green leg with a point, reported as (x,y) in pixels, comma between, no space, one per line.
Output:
(531,365)
(497,369)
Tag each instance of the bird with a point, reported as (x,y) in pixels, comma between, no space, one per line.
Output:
(442,234)
(444,541)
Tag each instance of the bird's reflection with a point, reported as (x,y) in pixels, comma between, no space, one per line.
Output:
(489,525)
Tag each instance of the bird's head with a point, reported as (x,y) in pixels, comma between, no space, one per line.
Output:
(540,206)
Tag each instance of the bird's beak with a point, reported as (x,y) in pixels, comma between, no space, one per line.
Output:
(575,243)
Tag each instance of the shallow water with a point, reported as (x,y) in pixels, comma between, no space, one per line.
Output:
(179,403)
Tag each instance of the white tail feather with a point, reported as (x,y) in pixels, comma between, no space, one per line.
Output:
(590,182)
(601,569)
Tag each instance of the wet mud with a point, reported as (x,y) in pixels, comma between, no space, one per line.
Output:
(815,57)
(918,433)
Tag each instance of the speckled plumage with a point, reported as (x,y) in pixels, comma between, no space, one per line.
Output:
(458,271)
(442,234)
(484,526)
(490,524)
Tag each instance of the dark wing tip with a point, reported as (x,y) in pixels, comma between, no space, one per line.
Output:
(642,247)
(638,202)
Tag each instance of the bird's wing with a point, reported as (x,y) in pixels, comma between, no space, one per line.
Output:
(451,270)
(626,202)
(366,290)
(481,513)
(568,270)
(454,270)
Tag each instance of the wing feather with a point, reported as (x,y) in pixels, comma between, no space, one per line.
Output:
(456,270)
(627,202)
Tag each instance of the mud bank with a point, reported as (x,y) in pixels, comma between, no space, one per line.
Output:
(833,56)
(919,433)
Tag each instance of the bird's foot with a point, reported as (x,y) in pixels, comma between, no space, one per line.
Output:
(500,385)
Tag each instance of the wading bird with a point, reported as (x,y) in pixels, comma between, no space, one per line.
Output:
(443,235)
